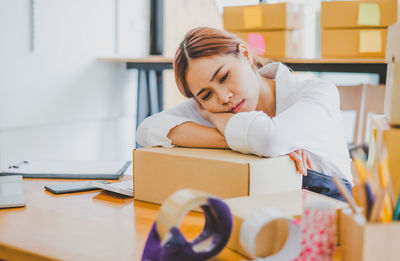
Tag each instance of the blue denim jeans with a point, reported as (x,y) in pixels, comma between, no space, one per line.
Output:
(323,184)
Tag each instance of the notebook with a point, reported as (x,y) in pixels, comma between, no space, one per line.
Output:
(122,187)
(68,169)
(12,192)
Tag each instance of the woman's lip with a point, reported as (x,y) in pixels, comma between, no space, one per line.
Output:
(237,108)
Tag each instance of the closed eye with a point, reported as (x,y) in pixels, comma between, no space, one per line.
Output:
(205,97)
(224,77)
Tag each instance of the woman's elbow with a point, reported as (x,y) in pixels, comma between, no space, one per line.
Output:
(141,136)
(271,147)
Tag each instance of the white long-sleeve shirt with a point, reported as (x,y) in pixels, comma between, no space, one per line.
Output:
(307,117)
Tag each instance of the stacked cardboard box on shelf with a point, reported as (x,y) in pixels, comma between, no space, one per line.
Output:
(352,29)
(392,104)
(392,94)
(271,30)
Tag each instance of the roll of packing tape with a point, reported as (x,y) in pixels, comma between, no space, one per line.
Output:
(256,237)
(166,242)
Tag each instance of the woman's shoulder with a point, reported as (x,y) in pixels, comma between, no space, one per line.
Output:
(185,106)
(318,90)
(317,85)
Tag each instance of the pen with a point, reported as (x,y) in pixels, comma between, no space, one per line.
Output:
(384,178)
(16,166)
(377,207)
(397,210)
(368,194)
(370,197)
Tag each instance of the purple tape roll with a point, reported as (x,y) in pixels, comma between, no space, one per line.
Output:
(217,227)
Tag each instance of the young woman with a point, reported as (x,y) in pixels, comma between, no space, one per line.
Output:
(252,105)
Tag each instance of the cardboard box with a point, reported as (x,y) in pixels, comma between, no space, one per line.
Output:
(279,16)
(369,241)
(392,93)
(275,44)
(158,172)
(358,14)
(352,43)
(391,138)
(289,203)
(393,46)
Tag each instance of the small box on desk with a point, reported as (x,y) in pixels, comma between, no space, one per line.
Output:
(158,172)
(368,241)
(352,43)
(289,203)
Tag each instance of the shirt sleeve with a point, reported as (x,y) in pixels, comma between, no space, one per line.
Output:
(309,123)
(154,130)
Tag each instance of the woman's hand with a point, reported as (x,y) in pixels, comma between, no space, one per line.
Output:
(300,158)
(219,119)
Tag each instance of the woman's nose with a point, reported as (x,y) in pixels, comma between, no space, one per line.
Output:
(225,96)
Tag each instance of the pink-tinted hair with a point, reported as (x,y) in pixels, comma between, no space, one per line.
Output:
(205,42)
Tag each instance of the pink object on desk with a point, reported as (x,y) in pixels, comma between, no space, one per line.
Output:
(319,232)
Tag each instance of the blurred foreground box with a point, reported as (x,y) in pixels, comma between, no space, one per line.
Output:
(368,241)
(290,204)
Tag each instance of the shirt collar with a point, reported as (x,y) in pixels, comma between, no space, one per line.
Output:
(285,84)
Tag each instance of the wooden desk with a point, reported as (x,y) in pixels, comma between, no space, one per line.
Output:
(82,226)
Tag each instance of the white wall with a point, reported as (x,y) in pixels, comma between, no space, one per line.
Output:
(179,17)
(58,101)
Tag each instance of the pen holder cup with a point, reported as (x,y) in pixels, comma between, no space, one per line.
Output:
(368,241)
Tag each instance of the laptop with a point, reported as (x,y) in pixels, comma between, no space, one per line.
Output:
(122,187)
(12,192)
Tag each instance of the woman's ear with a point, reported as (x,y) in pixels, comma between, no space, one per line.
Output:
(245,53)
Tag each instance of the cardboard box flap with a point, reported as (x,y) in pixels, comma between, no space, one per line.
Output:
(393,45)
(280,168)
(211,154)
(289,203)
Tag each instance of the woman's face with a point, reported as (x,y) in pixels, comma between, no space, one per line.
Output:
(224,83)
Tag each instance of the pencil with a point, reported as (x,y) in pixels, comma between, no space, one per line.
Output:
(343,189)
(377,207)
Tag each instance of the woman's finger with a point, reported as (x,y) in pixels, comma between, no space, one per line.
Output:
(303,166)
(297,162)
(310,166)
(294,158)
(304,161)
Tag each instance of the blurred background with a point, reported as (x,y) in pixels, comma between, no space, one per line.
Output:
(58,100)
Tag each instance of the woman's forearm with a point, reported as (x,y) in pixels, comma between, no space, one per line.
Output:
(190,134)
